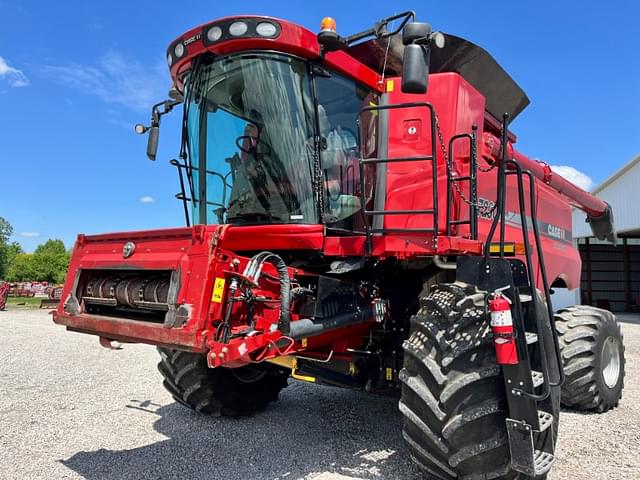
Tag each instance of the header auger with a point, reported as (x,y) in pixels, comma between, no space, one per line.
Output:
(357,215)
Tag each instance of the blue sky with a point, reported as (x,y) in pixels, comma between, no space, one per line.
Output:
(75,76)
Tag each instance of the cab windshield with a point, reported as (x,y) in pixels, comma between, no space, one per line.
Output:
(250,127)
(261,151)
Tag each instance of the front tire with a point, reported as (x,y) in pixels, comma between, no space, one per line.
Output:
(232,392)
(453,396)
(592,349)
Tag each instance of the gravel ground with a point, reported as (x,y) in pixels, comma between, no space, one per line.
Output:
(70,409)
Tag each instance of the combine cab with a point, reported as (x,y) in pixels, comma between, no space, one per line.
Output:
(357,215)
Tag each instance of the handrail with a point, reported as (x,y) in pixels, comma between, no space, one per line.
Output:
(369,230)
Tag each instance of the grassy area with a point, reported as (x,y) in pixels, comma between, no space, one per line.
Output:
(24,302)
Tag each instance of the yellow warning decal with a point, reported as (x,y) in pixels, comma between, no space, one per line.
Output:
(218,289)
(390,86)
(389,374)
(304,342)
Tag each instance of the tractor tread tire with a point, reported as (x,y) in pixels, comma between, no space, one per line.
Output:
(582,329)
(190,381)
(453,398)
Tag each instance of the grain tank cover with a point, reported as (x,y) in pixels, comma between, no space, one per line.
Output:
(474,63)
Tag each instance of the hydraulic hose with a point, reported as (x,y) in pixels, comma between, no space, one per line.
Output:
(253,271)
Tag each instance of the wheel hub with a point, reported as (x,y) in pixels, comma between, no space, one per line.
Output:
(611,361)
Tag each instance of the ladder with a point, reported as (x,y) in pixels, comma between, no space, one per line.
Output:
(530,392)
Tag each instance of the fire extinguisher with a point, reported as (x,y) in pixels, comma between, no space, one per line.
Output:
(504,338)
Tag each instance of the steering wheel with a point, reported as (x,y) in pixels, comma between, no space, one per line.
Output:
(253,142)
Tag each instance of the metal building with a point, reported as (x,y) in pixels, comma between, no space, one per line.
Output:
(611,274)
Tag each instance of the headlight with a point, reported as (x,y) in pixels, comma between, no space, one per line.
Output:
(233,29)
(179,50)
(214,34)
(238,28)
(169,59)
(266,29)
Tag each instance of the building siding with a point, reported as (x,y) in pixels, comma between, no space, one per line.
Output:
(623,194)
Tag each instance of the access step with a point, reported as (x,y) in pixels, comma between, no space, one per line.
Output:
(524,298)
(542,462)
(525,458)
(545,420)
(531,337)
(537,378)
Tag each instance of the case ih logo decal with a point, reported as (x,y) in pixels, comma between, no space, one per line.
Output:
(192,39)
(556,232)
(513,218)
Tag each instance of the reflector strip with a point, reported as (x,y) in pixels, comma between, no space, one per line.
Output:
(509,248)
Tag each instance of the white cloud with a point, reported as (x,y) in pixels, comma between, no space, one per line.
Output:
(30,234)
(574,176)
(14,76)
(115,79)
(147,199)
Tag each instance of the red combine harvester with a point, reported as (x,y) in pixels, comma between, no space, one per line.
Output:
(357,215)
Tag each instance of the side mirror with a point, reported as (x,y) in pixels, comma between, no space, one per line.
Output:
(415,68)
(152,142)
(418,39)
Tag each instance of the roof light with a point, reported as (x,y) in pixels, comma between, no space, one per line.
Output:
(179,50)
(438,39)
(214,34)
(328,38)
(266,29)
(328,23)
(237,29)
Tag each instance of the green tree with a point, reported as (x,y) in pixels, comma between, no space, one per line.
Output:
(12,250)
(21,269)
(6,230)
(50,261)
(51,247)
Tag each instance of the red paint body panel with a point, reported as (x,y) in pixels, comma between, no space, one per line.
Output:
(409,184)
(136,332)
(184,249)
(275,237)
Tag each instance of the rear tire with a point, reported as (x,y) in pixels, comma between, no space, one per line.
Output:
(453,395)
(219,391)
(592,349)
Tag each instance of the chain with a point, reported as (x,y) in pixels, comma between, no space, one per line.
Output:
(317,182)
(483,209)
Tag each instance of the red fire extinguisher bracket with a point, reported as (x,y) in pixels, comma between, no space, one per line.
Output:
(504,339)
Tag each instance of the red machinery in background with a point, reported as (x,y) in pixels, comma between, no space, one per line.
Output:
(4,294)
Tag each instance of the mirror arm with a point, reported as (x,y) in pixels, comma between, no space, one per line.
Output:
(153,130)
(379,29)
